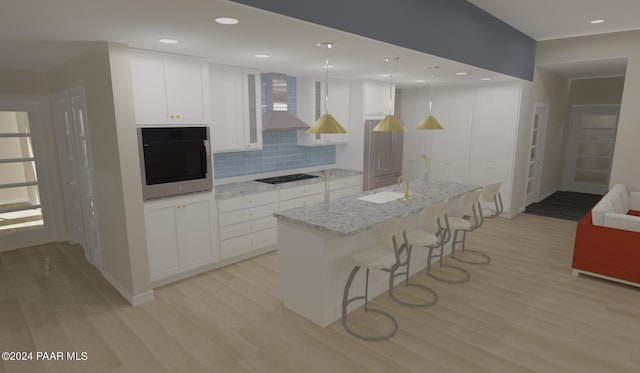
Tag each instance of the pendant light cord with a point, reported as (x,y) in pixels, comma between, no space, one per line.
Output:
(433,69)
(326,82)
(391,84)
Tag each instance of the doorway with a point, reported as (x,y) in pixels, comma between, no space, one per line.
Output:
(590,145)
(536,153)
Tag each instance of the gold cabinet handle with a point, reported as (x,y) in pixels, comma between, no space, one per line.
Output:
(251,243)
(172,116)
(251,214)
(178,116)
(251,227)
(250,201)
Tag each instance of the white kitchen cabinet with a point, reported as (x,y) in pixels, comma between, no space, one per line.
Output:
(376,98)
(301,195)
(247,223)
(311,93)
(235,113)
(169,89)
(179,234)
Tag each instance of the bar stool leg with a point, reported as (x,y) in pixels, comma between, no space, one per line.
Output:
(393,274)
(346,300)
(486,259)
(466,275)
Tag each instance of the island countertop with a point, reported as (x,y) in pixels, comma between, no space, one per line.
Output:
(349,215)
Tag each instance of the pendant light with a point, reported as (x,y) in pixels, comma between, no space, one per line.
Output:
(430,123)
(390,123)
(327,123)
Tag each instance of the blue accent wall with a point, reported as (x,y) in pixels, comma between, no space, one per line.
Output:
(280,150)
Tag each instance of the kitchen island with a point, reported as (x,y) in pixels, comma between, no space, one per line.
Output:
(314,246)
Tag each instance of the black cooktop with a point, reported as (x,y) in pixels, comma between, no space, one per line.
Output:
(286,178)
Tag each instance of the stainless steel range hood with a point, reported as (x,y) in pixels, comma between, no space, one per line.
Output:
(277,118)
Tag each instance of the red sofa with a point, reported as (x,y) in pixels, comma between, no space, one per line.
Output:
(609,253)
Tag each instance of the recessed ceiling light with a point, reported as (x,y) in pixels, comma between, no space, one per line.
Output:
(226,20)
(461,73)
(420,81)
(167,41)
(261,56)
(596,21)
(485,79)
(384,75)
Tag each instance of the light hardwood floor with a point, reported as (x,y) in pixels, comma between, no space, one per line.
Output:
(524,312)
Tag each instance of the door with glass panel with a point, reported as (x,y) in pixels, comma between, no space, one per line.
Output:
(536,153)
(590,145)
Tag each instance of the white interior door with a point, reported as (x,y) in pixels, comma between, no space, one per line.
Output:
(536,154)
(85,176)
(63,122)
(590,147)
(70,118)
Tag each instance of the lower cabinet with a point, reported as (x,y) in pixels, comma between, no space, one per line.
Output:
(179,234)
(247,224)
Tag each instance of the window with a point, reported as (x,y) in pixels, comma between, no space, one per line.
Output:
(19,192)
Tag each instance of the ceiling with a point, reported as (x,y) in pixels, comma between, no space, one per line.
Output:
(38,34)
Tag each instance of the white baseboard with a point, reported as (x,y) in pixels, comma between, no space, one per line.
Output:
(134,300)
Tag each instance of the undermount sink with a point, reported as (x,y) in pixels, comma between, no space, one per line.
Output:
(382,197)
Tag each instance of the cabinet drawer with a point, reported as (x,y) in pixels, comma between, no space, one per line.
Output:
(301,191)
(299,202)
(246,201)
(347,182)
(239,216)
(247,243)
(345,192)
(247,227)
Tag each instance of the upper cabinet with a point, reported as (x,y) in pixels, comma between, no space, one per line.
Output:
(236,117)
(376,98)
(169,88)
(311,94)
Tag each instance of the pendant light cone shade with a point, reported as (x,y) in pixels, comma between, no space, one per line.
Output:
(389,124)
(429,123)
(326,124)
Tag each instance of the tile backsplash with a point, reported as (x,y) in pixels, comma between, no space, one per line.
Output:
(280,150)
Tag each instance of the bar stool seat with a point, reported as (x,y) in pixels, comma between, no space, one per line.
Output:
(373,258)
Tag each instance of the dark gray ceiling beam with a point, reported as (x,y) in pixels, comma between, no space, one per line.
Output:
(452,29)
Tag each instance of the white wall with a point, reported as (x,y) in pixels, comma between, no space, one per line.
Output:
(104,72)
(588,48)
(26,91)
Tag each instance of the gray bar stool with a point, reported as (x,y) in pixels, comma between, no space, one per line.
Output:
(435,234)
(469,206)
(379,257)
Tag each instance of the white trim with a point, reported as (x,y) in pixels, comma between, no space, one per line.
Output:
(575,272)
(134,300)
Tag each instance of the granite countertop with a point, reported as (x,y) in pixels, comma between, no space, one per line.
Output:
(225,191)
(349,215)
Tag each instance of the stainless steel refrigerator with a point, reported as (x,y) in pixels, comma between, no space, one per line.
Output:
(382,156)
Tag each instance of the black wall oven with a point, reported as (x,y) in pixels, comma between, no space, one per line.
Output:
(174,160)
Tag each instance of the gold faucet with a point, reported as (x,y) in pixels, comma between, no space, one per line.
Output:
(406,184)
